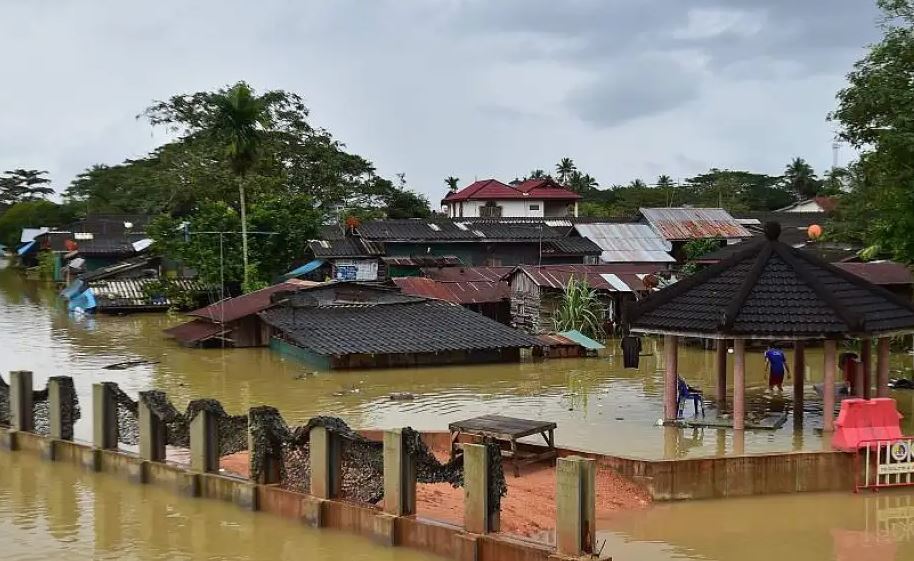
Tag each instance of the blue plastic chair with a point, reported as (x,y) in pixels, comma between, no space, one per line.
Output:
(686,392)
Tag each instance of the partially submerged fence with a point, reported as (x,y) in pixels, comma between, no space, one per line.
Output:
(884,463)
(323,458)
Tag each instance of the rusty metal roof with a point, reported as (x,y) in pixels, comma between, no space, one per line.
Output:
(194,331)
(608,277)
(232,309)
(882,273)
(627,243)
(467,292)
(682,224)
(466,274)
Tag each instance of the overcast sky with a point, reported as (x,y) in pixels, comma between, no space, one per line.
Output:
(472,88)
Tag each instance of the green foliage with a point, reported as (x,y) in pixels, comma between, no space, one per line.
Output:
(31,214)
(452,183)
(694,249)
(46,264)
(800,179)
(180,298)
(580,309)
(280,229)
(874,113)
(21,185)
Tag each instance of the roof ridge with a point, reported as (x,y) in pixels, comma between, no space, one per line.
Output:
(854,321)
(749,282)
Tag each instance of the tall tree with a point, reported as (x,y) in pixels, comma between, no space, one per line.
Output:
(874,114)
(582,182)
(564,169)
(665,183)
(20,185)
(538,174)
(452,183)
(801,179)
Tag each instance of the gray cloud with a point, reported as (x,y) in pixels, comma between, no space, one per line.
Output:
(433,88)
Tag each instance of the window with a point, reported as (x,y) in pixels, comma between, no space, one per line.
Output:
(534,207)
(490,210)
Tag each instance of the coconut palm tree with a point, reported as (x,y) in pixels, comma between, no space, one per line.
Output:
(452,182)
(239,122)
(564,169)
(801,179)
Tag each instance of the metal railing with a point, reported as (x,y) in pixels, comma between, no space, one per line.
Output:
(883,463)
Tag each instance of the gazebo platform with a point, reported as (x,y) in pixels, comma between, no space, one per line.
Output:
(769,421)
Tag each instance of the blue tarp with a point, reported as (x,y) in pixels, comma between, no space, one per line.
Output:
(26,248)
(582,340)
(304,269)
(73,289)
(84,301)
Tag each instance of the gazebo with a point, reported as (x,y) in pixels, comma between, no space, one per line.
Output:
(771,291)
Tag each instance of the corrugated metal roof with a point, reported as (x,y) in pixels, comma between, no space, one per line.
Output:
(131,293)
(194,331)
(610,278)
(679,224)
(424,261)
(882,273)
(232,309)
(627,243)
(345,247)
(466,274)
(472,292)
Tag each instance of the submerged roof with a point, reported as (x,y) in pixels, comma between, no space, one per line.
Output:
(133,293)
(232,309)
(627,243)
(681,224)
(771,290)
(385,323)
(458,292)
(194,331)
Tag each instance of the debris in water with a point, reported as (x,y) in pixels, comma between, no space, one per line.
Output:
(402,396)
(128,364)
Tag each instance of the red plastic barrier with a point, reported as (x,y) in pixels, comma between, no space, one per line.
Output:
(861,419)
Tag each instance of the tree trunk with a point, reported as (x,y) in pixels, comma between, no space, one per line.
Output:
(244,230)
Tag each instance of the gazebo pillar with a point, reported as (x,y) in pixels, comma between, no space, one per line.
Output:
(866,357)
(721,364)
(670,393)
(739,384)
(882,367)
(799,375)
(828,387)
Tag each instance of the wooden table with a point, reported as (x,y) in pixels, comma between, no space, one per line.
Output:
(508,430)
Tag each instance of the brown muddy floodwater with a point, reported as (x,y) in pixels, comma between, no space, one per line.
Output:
(50,511)
(54,511)
(597,404)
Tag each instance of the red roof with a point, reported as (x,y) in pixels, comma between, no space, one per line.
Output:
(882,273)
(493,189)
(232,309)
(194,331)
(470,292)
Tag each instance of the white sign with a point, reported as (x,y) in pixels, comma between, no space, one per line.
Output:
(356,269)
(896,458)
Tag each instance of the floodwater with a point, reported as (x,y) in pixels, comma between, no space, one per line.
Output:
(597,404)
(48,511)
(835,526)
(52,511)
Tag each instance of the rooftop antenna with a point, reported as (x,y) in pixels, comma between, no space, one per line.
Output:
(835,146)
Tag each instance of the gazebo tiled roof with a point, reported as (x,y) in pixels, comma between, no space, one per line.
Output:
(771,290)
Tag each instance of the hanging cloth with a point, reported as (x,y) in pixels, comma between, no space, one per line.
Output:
(631,351)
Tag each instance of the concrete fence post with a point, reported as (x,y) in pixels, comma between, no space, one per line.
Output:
(326,462)
(575,508)
(22,417)
(204,443)
(104,416)
(153,432)
(61,405)
(265,449)
(478,517)
(399,475)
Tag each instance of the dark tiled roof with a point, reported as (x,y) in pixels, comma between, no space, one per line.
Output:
(467,274)
(111,224)
(448,230)
(424,261)
(418,326)
(772,290)
(831,252)
(571,246)
(345,247)
(104,247)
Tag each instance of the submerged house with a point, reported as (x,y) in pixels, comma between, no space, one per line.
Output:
(130,286)
(537,292)
(352,325)
(480,289)
(233,322)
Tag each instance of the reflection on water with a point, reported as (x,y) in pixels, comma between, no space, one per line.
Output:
(839,527)
(55,511)
(597,404)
